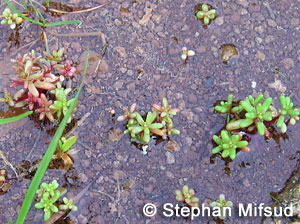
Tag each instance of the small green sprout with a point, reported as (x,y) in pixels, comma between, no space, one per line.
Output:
(11,19)
(141,130)
(187,195)
(129,115)
(66,144)
(222,204)
(228,144)
(206,14)
(61,104)
(287,109)
(225,107)
(48,195)
(166,112)
(158,122)
(68,204)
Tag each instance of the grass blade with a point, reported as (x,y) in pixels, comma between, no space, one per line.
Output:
(48,155)
(60,23)
(16,118)
(38,13)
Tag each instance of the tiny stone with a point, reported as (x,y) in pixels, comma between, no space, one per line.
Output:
(170,157)
(294,21)
(271,23)
(200,49)
(260,56)
(169,174)
(219,21)
(99,145)
(287,63)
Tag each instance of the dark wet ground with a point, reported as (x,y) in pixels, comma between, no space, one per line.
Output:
(143,64)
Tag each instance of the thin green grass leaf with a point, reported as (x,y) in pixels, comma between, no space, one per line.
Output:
(38,13)
(25,6)
(35,183)
(60,23)
(16,118)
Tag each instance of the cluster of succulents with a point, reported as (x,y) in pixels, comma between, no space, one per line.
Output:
(39,78)
(11,19)
(157,122)
(48,194)
(222,203)
(252,115)
(187,196)
(206,14)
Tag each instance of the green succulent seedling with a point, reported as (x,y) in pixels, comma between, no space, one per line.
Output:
(206,14)
(287,109)
(166,112)
(141,129)
(55,56)
(48,195)
(187,195)
(225,106)
(129,114)
(61,104)
(66,144)
(68,204)
(11,19)
(256,113)
(228,144)
(221,203)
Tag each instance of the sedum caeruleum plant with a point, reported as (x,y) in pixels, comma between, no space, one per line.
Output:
(11,19)
(158,122)
(228,144)
(221,203)
(187,196)
(252,114)
(48,194)
(206,14)
(38,80)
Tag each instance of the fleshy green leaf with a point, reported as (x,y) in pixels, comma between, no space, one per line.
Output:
(139,118)
(69,143)
(242,144)
(216,149)
(246,123)
(217,140)
(247,106)
(280,121)
(250,115)
(293,112)
(232,154)
(261,128)
(200,15)
(267,104)
(225,153)
(225,136)
(235,138)
(146,135)
(156,126)
(267,116)
(258,99)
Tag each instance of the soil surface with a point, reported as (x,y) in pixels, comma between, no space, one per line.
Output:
(143,64)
